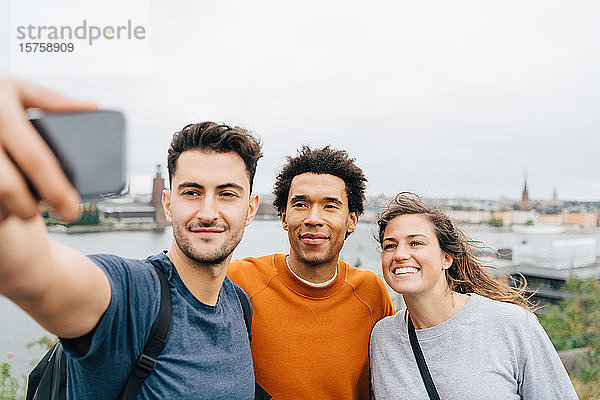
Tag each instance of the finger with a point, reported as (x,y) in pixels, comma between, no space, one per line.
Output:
(36,161)
(33,96)
(15,197)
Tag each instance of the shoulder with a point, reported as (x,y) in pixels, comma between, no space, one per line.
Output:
(501,308)
(125,270)
(506,316)
(370,289)
(253,273)
(364,280)
(390,325)
(361,276)
(133,282)
(262,265)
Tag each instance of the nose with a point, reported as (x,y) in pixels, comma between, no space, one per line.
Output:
(401,254)
(207,210)
(314,217)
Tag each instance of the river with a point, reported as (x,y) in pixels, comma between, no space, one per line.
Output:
(261,237)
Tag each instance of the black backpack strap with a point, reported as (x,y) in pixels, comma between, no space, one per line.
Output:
(159,333)
(59,374)
(425,375)
(259,392)
(48,380)
(246,308)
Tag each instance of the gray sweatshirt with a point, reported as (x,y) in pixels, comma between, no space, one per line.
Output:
(489,350)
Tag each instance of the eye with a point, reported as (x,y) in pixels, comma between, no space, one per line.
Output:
(416,243)
(332,206)
(229,195)
(389,246)
(299,205)
(190,193)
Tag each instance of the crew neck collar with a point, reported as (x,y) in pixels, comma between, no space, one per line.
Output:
(315,285)
(296,283)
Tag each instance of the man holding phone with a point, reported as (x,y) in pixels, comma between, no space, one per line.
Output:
(102,306)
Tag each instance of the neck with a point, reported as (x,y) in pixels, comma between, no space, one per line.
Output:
(204,281)
(430,310)
(312,273)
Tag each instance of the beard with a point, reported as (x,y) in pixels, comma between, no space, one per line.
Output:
(315,260)
(209,254)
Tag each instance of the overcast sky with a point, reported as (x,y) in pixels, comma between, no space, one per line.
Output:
(446,99)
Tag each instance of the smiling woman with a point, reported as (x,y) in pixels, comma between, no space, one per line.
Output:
(475,336)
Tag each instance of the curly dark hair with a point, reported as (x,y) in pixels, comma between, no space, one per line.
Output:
(322,161)
(219,138)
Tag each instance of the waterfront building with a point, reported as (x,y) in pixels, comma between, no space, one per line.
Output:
(546,268)
(525,202)
(583,219)
(158,185)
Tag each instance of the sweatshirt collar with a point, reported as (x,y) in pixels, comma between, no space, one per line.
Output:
(296,284)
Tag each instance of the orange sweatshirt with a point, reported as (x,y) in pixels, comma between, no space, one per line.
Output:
(311,343)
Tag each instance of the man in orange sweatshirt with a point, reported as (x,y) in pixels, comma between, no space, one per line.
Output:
(313,313)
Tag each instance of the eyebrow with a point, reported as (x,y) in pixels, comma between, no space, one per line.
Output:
(411,236)
(305,197)
(299,197)
(195,185)
(333,199)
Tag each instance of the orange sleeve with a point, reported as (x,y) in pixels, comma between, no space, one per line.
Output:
(388,306)
(235,272)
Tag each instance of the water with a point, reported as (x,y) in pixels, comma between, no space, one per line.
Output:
(261,237)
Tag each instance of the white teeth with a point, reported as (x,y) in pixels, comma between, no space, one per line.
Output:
(405,270)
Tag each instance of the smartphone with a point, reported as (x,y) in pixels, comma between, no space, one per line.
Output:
(90,147)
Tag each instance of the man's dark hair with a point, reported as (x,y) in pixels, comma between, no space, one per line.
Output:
(218,138)
(322,161)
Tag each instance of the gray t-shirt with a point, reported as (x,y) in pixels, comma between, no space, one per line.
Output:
(488,350)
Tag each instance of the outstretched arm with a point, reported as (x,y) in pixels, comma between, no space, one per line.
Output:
(59,287)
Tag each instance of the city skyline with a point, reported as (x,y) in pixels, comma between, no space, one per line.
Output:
(441,99)
(142,184)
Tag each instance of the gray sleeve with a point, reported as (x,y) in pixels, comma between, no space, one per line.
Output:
(543,376)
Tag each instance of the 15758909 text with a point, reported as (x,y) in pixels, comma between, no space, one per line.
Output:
(37,47)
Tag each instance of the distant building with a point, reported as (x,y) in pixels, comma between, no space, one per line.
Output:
(505,216)
(266,210)
(522,217)
(547,284)
(471,216)
(158,185)
(140,211)
(525,202)
(554,201)
(128,213)
(547,268)
(583,219)
(553,217)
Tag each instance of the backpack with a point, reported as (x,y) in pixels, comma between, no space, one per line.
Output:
(48,380)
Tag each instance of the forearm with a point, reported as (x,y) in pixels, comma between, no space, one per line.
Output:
(58,286)
(25,249)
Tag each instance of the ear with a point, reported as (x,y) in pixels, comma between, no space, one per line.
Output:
(352,222)
(446,260)
(166,203)
(284,221)
(252,208)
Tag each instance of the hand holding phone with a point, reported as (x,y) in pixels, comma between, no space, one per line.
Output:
(23,156)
